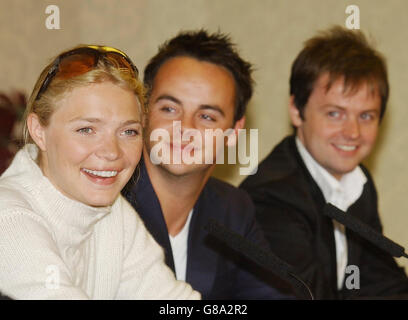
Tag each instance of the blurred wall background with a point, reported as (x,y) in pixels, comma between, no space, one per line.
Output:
(269,33)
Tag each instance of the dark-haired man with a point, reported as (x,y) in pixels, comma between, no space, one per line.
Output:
(339,91)
(197,82)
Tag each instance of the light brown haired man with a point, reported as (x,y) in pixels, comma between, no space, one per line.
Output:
(339,91)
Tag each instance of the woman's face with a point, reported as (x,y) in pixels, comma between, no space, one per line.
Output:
(93,143)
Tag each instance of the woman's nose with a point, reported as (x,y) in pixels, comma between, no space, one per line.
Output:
(109,149)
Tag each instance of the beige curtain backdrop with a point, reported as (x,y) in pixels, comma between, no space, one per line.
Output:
(269,33)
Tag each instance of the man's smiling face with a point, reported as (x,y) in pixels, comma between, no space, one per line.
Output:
(199,95)
(339,127)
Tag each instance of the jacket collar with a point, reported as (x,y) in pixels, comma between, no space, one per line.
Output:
(201,260)
(201,257)
(144,199)
(285,168)
(298,189)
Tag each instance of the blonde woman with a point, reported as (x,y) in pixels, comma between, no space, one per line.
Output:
(65,231)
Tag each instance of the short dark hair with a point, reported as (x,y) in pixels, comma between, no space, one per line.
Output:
(215,48)
(339,52)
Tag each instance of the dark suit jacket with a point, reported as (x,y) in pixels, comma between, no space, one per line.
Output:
(289,208)
(212,269)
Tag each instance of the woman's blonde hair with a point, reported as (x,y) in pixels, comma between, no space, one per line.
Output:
(106,70)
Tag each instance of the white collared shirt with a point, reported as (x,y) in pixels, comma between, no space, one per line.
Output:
(179,249)
(340,193)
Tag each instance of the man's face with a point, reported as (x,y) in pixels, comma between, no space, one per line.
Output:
(339,128)
(196,95)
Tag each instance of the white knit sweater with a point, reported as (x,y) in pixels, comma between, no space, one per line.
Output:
(52,247)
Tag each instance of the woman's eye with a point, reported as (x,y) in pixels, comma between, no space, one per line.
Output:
(86,130)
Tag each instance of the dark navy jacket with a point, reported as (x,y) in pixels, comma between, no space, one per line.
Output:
(290,211)
(212,269)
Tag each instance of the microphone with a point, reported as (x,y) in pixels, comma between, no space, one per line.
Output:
(260,256)
(365,231)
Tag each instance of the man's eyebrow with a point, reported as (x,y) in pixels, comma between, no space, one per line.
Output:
(329,105)
(212,107)
(372,110)
(168,97)
(344,108)
(202,107)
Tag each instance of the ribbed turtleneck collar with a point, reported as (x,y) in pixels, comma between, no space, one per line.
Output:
(73,221)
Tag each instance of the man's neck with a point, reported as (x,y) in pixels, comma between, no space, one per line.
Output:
(177,194)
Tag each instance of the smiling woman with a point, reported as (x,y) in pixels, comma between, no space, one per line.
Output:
(65,231)
(100,125)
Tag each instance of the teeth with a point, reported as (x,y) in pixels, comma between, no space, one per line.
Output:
(346,148)
(104,174)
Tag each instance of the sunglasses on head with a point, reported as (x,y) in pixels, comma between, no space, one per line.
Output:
(81,60)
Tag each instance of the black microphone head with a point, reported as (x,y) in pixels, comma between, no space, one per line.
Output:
(247,248)
(364,231)
(262,257)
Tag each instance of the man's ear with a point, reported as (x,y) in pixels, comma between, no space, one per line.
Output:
(294,113)
(36,131)
(232,139)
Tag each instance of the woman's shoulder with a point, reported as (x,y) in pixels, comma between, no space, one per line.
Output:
(12,192)
(12,196)
(15,203)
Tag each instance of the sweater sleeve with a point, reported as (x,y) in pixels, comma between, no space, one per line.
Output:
(30,265)
(145,274)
